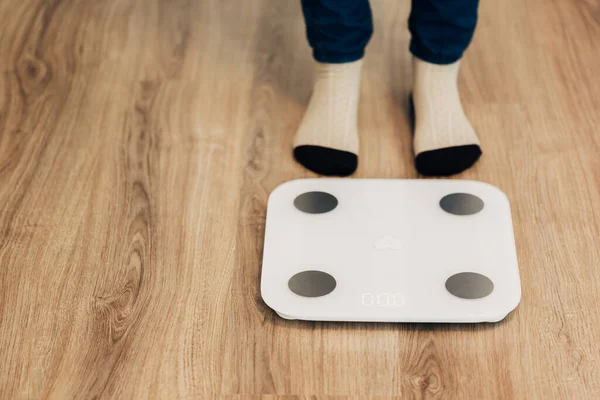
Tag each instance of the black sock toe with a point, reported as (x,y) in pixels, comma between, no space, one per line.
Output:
(447,161)
(326,161)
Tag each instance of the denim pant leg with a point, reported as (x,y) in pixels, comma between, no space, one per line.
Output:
(442,29)
(337,30)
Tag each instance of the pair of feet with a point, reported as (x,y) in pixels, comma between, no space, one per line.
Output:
(444,141)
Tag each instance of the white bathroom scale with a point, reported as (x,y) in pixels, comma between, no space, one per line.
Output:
(390,251)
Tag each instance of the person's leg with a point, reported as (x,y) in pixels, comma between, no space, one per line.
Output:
(338,31)
(444,142)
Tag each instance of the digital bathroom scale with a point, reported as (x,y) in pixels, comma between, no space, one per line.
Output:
(390,251)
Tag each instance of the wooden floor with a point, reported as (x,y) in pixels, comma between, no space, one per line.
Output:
(139,140)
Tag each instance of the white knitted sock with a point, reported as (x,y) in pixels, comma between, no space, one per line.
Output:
(327,140)
(444,141)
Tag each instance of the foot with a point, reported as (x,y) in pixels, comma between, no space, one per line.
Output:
(444,141)
(327,139)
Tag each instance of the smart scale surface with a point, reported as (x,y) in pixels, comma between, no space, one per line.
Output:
(390,251)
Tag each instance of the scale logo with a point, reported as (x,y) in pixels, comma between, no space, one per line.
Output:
(383,300)
(388,243)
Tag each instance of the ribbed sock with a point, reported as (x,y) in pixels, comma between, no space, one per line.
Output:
(444,141)
(327,140)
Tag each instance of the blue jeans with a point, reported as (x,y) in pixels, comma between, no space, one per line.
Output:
(339,30)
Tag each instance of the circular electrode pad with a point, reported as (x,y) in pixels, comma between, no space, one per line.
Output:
(315,202)
(461,204)
(312,283)
(469,285)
